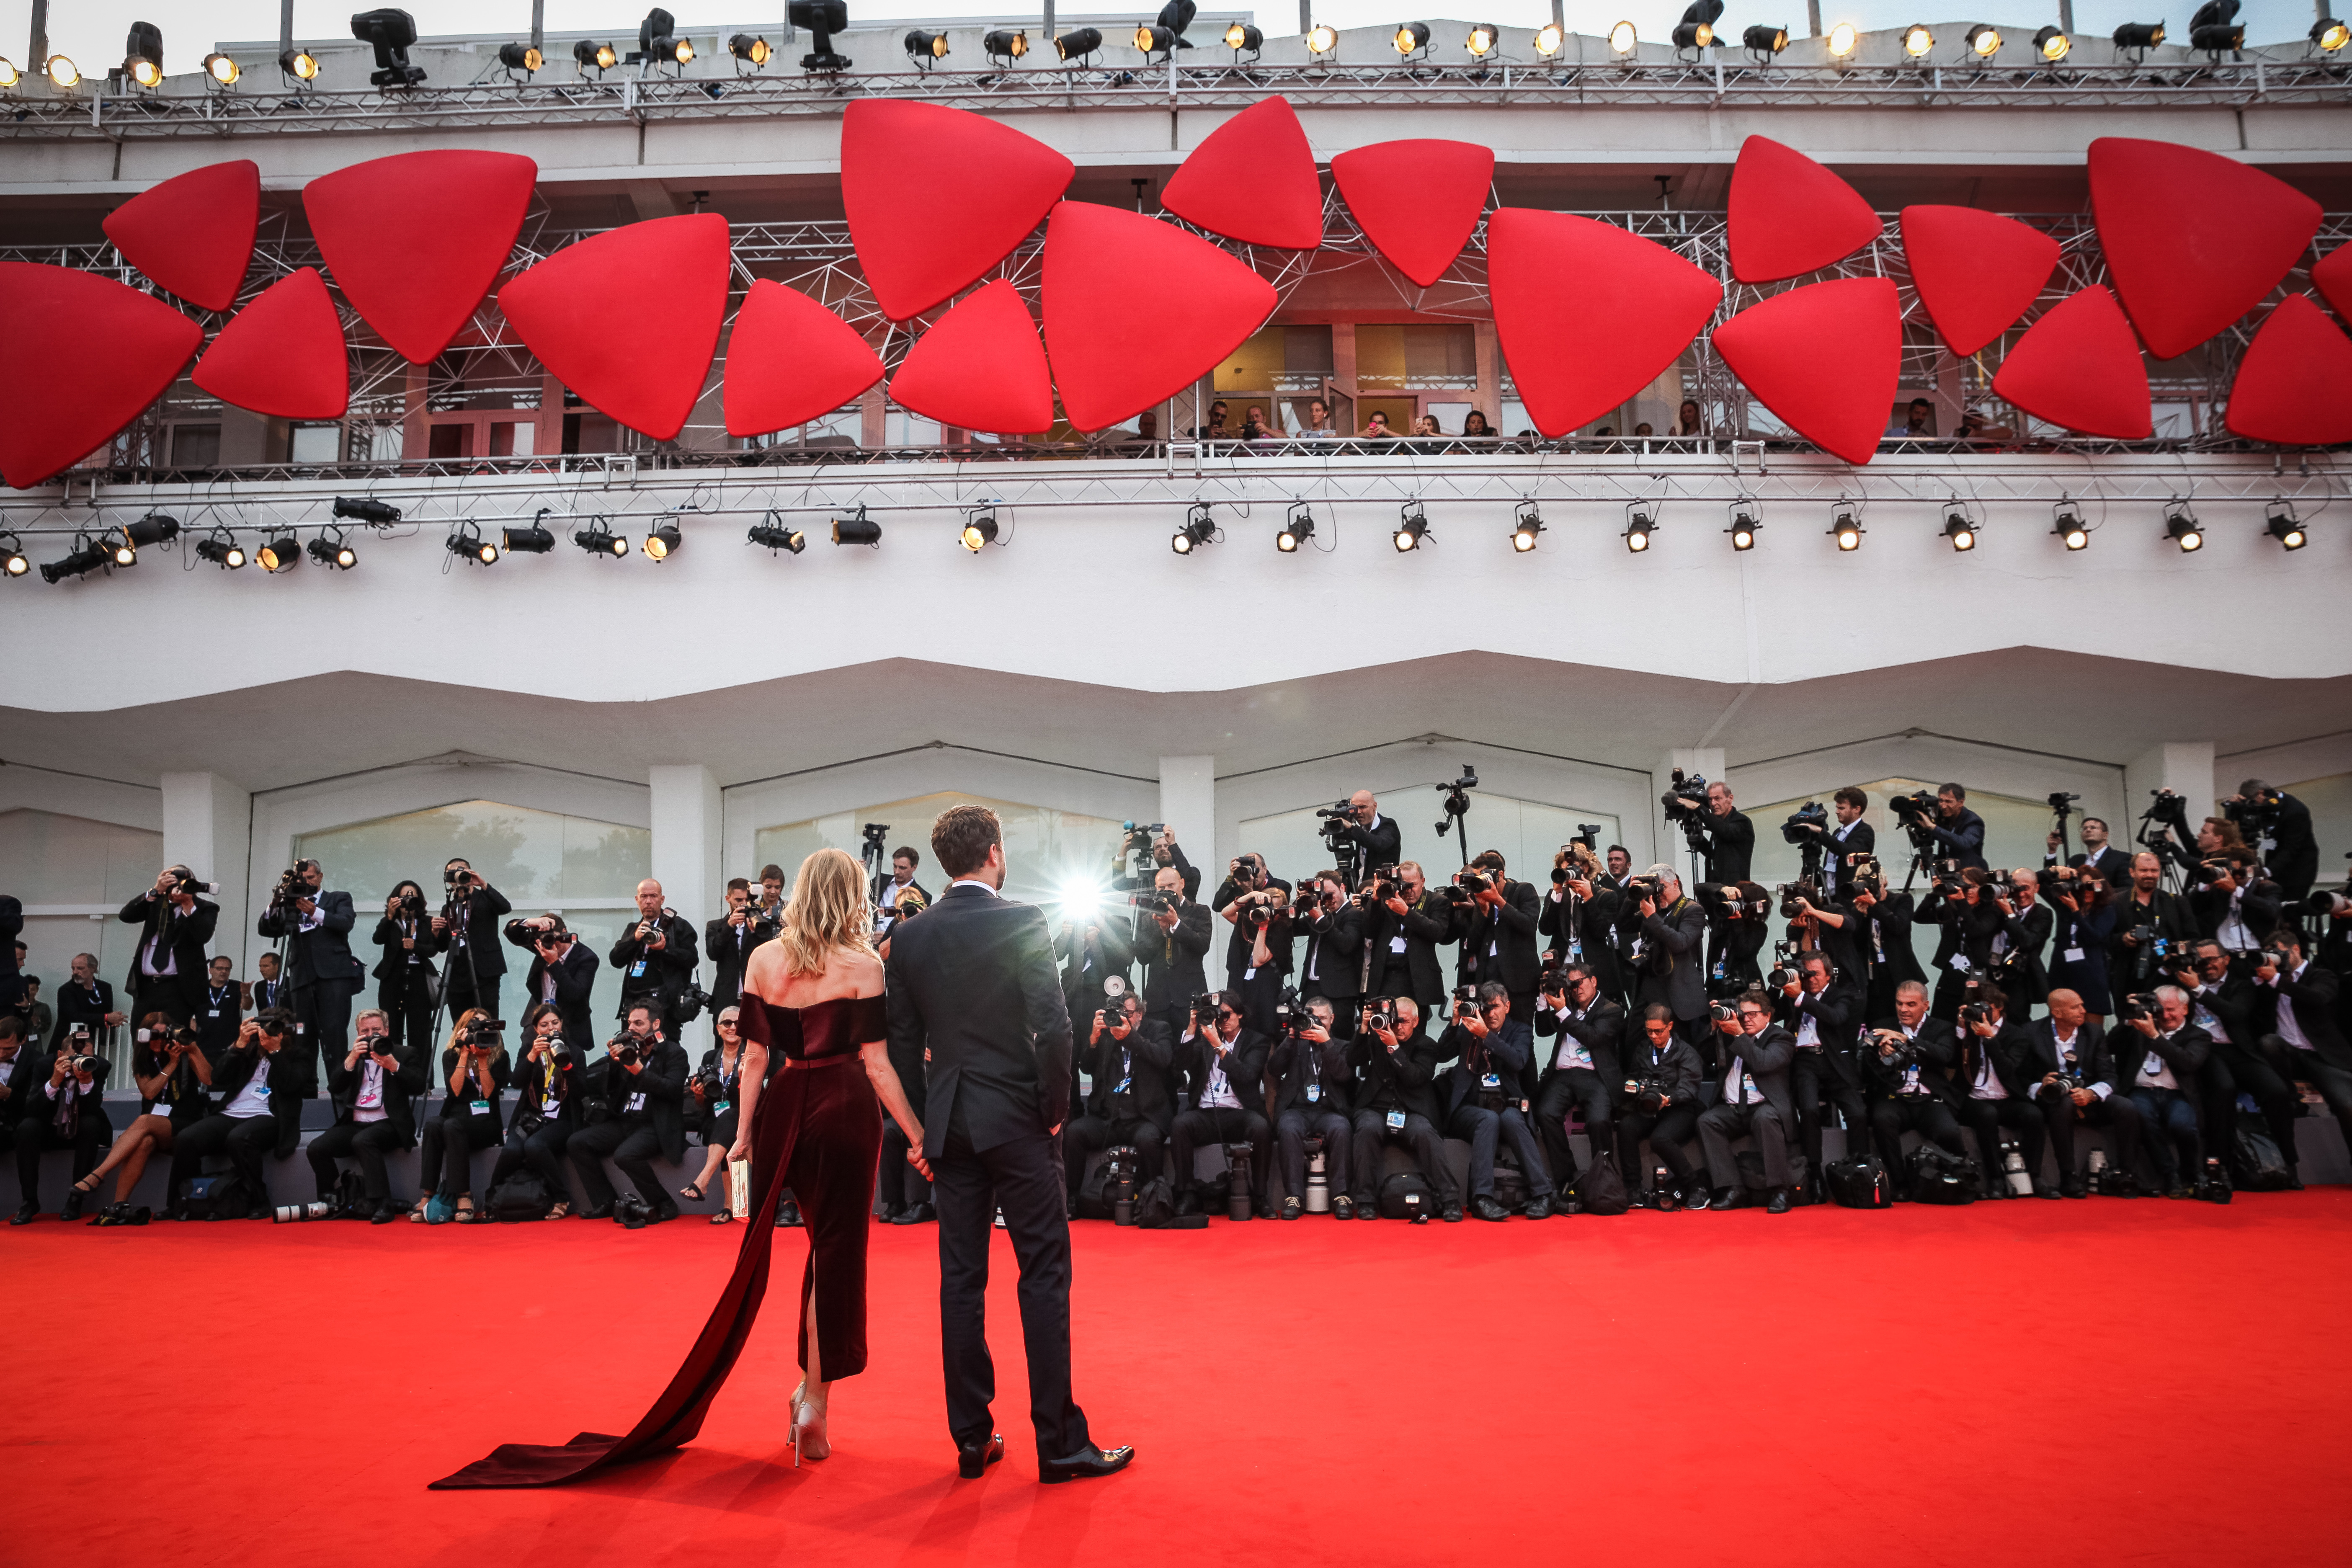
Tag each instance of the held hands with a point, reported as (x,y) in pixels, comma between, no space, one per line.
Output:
(1646,907)
(1397,906)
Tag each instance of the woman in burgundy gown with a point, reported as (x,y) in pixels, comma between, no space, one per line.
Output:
(814,998)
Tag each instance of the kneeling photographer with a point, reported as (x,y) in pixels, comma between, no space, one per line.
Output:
(2078,1085)
(1125,1057)
(248,1124)
(1308,1069)
(1659,1099)
(1396,1103)
(2159,1055)
(547,1110)
(2304,1041)
(168,1062)
(1584,1067)
(477,1069)
(1755,1101)
(63,1107)
(1223,1064)
(1907,1070)
(636,1110)
(714,1108)
(1996,1076)
(373,1086)
(2224,999)
(1480,1097)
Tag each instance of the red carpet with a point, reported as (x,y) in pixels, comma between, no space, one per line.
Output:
(2143,1382)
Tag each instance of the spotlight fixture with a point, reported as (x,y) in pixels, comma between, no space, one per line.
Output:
(1763,39)
(1411,529)
(1244,39)
(1199,529)
(1846,529)
(1697,29)
(823,19)
(299,64)
(924,48)
(534,539)
(368,510)
(1622,39)
(2330,34)
(1176,16)
(2284,527)
(2215,28)
(2051,44)
(83,559)
(979,530)
(2070,528)
(13,560)
(1550,38)
(772,532)
(1078,44)
(1845,39)
(596,57)
(659,43)
(750,48)
(153,529)
(598,538)
(279,555)
(662,539)
(1744,525)
(143,55)
(1527,527)
(1959,530)
(466,541)
(2180,527)
(523,58)
(1296,530)
(9,75)
(391,33)
(1004,47)
(1154,40)
(329,551)
(1917,40)
(220,547)
(65,75)
(2140,37)
(857,529)
(1984,40)
(121,552)
(1410,39)
(221,70)
(1484,40)
(1638,529)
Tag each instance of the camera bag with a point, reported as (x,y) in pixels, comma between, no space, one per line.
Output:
(1093,1193)
(1859,1184)
(1155,1208)
(351,1195)
(1938,1176)
(1751,1172)
(1602,1188)
(214,1197)
(522,1195)
(2256,1163)
(1510,1186)
(1398,1188)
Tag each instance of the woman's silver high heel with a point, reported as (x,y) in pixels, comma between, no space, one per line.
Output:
(809,1438)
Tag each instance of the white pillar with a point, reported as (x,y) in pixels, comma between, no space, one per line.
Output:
(1188,805)
(208,827)
(1667,843)
(686,857)
(2184,767)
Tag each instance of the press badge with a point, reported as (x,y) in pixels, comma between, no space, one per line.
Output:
(261,1091)
(2072,955)
(1576,950)
(213,1013)
(722,1108)
(1960,963)
(1747,1089)
(1396,1120)
(1911,1078)
(481,1108)
(637,970)
(1314,1092)
(1719,969)
(1491,1081)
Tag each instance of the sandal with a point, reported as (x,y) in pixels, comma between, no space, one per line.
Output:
(724,1217)
(558,1211)
(465,1213)
(691,1190)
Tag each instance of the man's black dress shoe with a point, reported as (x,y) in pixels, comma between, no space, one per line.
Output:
(1779,1201)
(1487,1208)
(25,1214)
(915,1214)
(1087,1464)
(974,1460)
(1540,1208)
(604,1212)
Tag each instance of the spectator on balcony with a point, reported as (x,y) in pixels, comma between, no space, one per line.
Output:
(1643,430)
(1255,428)
(1427,425)
(1475,423)
(1319,426)
(1215,430)
(1686,419)
(1974,427)
(1377,426)
(1919,424)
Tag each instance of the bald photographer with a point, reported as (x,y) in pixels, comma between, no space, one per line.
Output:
(657,958)
(1171,939)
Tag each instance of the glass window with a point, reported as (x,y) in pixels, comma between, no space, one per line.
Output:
(1526,833)
(1441,357)
(85,870)
(1379,357)
(195,446)
(315,444)
(1045,850)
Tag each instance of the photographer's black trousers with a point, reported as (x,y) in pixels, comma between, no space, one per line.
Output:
(2334,1084)
(1986,1118)
(2233,1070)
(2119,1116)
(2170,1119)
(1293,1127)
(1921,1113)
(1418,1134)
(244,1139)
(1669,1134)
(1485,1130)
(1720,1124)
(1566,1090)
(1199,1129)
(1083,1136)
(37,1134)
(631,1143)
(323,1029)
(542,1149)
(1816,1082)
(464,994)
(408,1020)
(450,1145)
(367,1142)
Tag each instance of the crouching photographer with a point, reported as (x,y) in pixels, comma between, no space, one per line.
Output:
(1481,1100)
(247,1125)
(1906,1066)
(1996,1078)
(2077,1086)
(713,1108)
(1659,1099)
(1308,1067)
(1397,1104)
(2304,1042)
(1821,1009)
(475,1065)
(172,1073)
(2159,1055)
(1125,1058)
(637,1096)
(373,1086)
(63,1107)
(1757,1101)
(547,1110)
(1223,1063)
(1583,1071)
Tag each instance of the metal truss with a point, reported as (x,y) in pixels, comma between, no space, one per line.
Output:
(557,99)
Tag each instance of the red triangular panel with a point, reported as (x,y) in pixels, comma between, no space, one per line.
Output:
(630,319)
(283,354)
(1824,358)
(2079,366)
(790,360)
(1975,271)
(1253,180)
(80,356)
(1417,202)
(1588,314)
(2332,275)
(1111,360)
(416,240)
(193,233)
(936,196)
(2193,239)
(981,367)
(1789,215)
(2295,385)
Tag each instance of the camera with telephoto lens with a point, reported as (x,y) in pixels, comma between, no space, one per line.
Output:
(458,880)
(479,1033)
(2138,1004)
(1865,876)
(1380,885)
(185,882)
(1723,1011)
(1784,966)
(691,1000)
(1795,895)
(1640,888)
(624,1049)
(1379,1013)
(1466,1001)
(1551,979)
(1162,900)
(558,1049)
(1917,809)
(2256,814)
(1472,881)
(1975,1013)
(2069,1075)
(1204,1007)
(1686,799)
(2058,876)
(714,1087)
(1245,870)
(1807,824)
(81,1063)
(2205,873)
(411,904)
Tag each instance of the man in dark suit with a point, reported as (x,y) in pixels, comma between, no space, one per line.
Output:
(1583,1070)
(2097,853)
(1091,951)
(2293,858)
(1725,839)
(890,892)
(1498,936)
(562,974)
(2304,1041)
(1255,904)
(86,1000)
(1662,944)
(2133,963)
(1379,841)
(254,1113)
(57,1098)
(1821,1009)
(219,1010)
(1841,845)
(1958,834)
(1400,943)
(2015,959)
(269,990)
(2223,1000)
(1307,1066)
(1660,1098)
(2158,1060)
(641,1082)
(373,1086)
(1755,1101)
(2075,1085)
(1993,1084)
(1331,964)
(1126,1056)
(1905,1065)
(1884,938)
(730,940)
(465,931)
(973,992)
(1171,944)
(1480,1102)
(1396,1103)
(1579,916)
(1221,1061)
(655,957)
(1968,910)
(322,976)
(167,968)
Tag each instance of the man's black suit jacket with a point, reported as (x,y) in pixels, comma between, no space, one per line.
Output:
(1425,926)
(401,1087)
(76,1005)
(575,980)
(1332,962)
(1293,1063)
(1767,1057)
(1244,1068)
(730,946)
(972,982)
(1405,1079)
(322,953)
(2094,1063)
(1171,961)
(186,935)
(1939,1048)
(1837,1015)
(1600,1031)
(1672,969)
(1730,846)
(484,907)
(2313,995)
(1142,1059)
(1511,931)
(1860,839)
(1381,844)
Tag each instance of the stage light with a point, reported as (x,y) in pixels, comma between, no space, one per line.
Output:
(532,539)
(925,47)
(2330,34)
(2051,44)
(751,49)
(143,55)
(2070,528)
(221,548)
(1483,40)
(1297,531)
(299,64)
(2180,527)
(1411,529)
(222,69)
(1744,526)
(599,58)
(1410,39)
(1984,40)
(1527,527)
(598,538)
(1846,529)
(83,559)
(979,531)
(466,543)
(1843,40)
(121,554)
(823,19)
(1917,40)
(662,539)
(772,533)
(2213,28)
(857,529)
(66,75)
(1078,44)
(1176,16)
(155,528)
(281,554)
(1638,529)
(13,562)
(1623,38)
(2139,36)
(1550,38)
(368,510)
(1959,531)
(1150,40)
(2284,527)
(659,43)
(1697,29)
(1004,47)
(1199,529)
(521,57)
(391,33)
(329,551)
(1764,40)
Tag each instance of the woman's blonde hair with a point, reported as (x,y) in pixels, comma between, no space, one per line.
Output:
(457,1029)
(828,909)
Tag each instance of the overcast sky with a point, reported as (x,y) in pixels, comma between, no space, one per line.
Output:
(91,31)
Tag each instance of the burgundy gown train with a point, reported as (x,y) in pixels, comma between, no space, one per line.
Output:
(818,1129)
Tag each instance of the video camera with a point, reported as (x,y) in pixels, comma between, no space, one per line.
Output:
(1683,803)
(2166,810)
(2256,814)
(1806,825)
(480,1033)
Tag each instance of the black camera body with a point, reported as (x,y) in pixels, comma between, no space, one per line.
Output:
(1975,1013)
(1640,888)
(691,1000)
(2138,1004)
(1683,803)
(1900,1052)
(624,1049)
(1806,825)
(1794,895)
(1646,1093)
(412,905)
(479,1032)
(2169,810)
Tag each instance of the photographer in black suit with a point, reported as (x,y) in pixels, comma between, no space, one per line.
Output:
(1480,1101)
(254,1115)
(322,976)
(1583,1070)
(657,958)
(85,1000)
(1408,924)
(1661,942)
(1396,1103)
(550,1105)
(1966,906)
(730,940)
(404,975)
(57,1098)
(1222,1061)
(1821,1009)
(1882,936)
(1995,1080)
(2110,862)
(1331,964)
(2150,923)
(1852,837)
(2304,1042)
(1906,1066)
(219,1010)
(167,970)
(373,1086)
(1737,917)
(1755,1099)
(1579,916)
(1307,1066)
(2158,1058)
(1660,1100)
(2014,962)
(1171,940)
(1377,840)
(2274,815)
(639,1110)
(1497,930)
(2075,1085)
(2224,999)
(1125,1057)
(466,932)
(1256,904)
(1718,831)
(563,973)
(1957,832)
